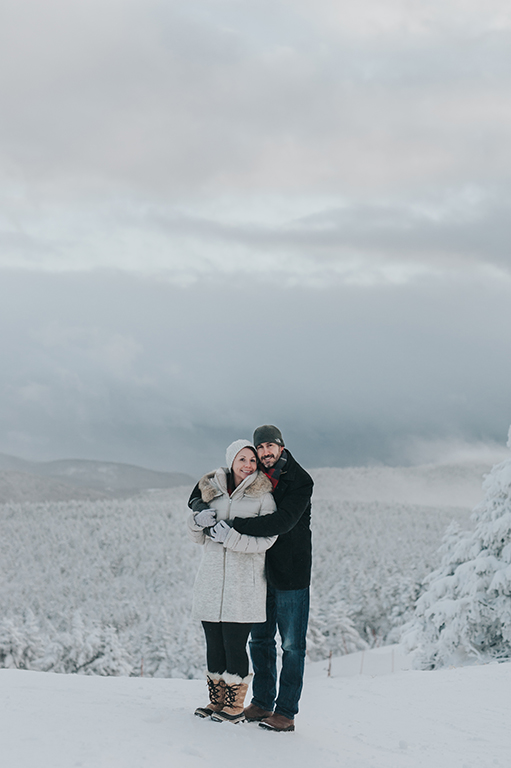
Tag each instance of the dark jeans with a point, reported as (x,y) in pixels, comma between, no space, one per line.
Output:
(226,647)
(287,611)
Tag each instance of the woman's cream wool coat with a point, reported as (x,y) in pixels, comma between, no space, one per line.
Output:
(230,584)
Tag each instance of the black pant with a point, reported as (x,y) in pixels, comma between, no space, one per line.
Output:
(226,647)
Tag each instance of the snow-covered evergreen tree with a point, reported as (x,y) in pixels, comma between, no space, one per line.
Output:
(20,642)
(465,612)
(331,631)
(88,649)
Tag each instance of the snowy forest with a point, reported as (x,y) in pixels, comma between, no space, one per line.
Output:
(104,586)
(463,613)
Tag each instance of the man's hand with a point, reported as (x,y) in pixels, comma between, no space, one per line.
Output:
(206,518)
(220,531)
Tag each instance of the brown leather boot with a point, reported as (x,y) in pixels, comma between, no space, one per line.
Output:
(253,713)
(234,698)
(216,690)
(277,722)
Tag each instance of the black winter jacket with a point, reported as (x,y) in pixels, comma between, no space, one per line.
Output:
(289,560)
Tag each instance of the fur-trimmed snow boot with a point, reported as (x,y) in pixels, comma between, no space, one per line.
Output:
(234,699)
(216,690)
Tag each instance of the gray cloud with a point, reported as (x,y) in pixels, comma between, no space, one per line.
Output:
(120,368)
(231,213)
(159,136)
(355,241)
(155,97)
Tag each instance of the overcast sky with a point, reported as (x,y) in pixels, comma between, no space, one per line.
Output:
(216,214)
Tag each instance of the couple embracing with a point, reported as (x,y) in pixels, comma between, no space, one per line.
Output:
(253,518)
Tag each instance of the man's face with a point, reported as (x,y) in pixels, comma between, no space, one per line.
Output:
(269,454)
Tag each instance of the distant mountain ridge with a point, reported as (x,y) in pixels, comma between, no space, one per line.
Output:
(78,478)
(456,485)
(22,486)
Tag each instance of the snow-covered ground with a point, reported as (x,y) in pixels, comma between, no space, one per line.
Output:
(451,718)
(111,580)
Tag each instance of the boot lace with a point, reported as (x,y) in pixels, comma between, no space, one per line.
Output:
(214,690)
(231,692)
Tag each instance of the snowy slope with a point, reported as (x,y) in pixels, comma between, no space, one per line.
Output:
(455,718)
(22,486)
(374,534)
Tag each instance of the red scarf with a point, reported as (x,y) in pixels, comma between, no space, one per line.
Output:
(273,474)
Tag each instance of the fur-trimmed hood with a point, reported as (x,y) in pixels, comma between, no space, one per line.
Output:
(215,484)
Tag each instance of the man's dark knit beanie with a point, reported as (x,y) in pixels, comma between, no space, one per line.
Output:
(268,434)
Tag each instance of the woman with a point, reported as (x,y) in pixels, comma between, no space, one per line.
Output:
(229,593)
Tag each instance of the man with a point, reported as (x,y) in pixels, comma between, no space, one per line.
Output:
(288,570)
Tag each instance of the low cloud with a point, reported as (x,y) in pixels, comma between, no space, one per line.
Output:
(104,365)
(457,451)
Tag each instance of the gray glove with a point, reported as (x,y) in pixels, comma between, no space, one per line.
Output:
(206,518)
(220,531)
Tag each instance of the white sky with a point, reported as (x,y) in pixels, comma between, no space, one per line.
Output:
(359,149)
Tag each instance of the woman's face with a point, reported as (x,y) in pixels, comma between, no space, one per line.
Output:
(244,464)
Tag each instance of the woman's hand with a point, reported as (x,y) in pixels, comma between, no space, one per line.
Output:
(220,531)
(206,518)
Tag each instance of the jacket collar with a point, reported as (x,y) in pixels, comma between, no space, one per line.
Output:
(215,484)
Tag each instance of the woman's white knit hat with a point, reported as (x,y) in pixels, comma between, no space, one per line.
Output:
(233,450)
